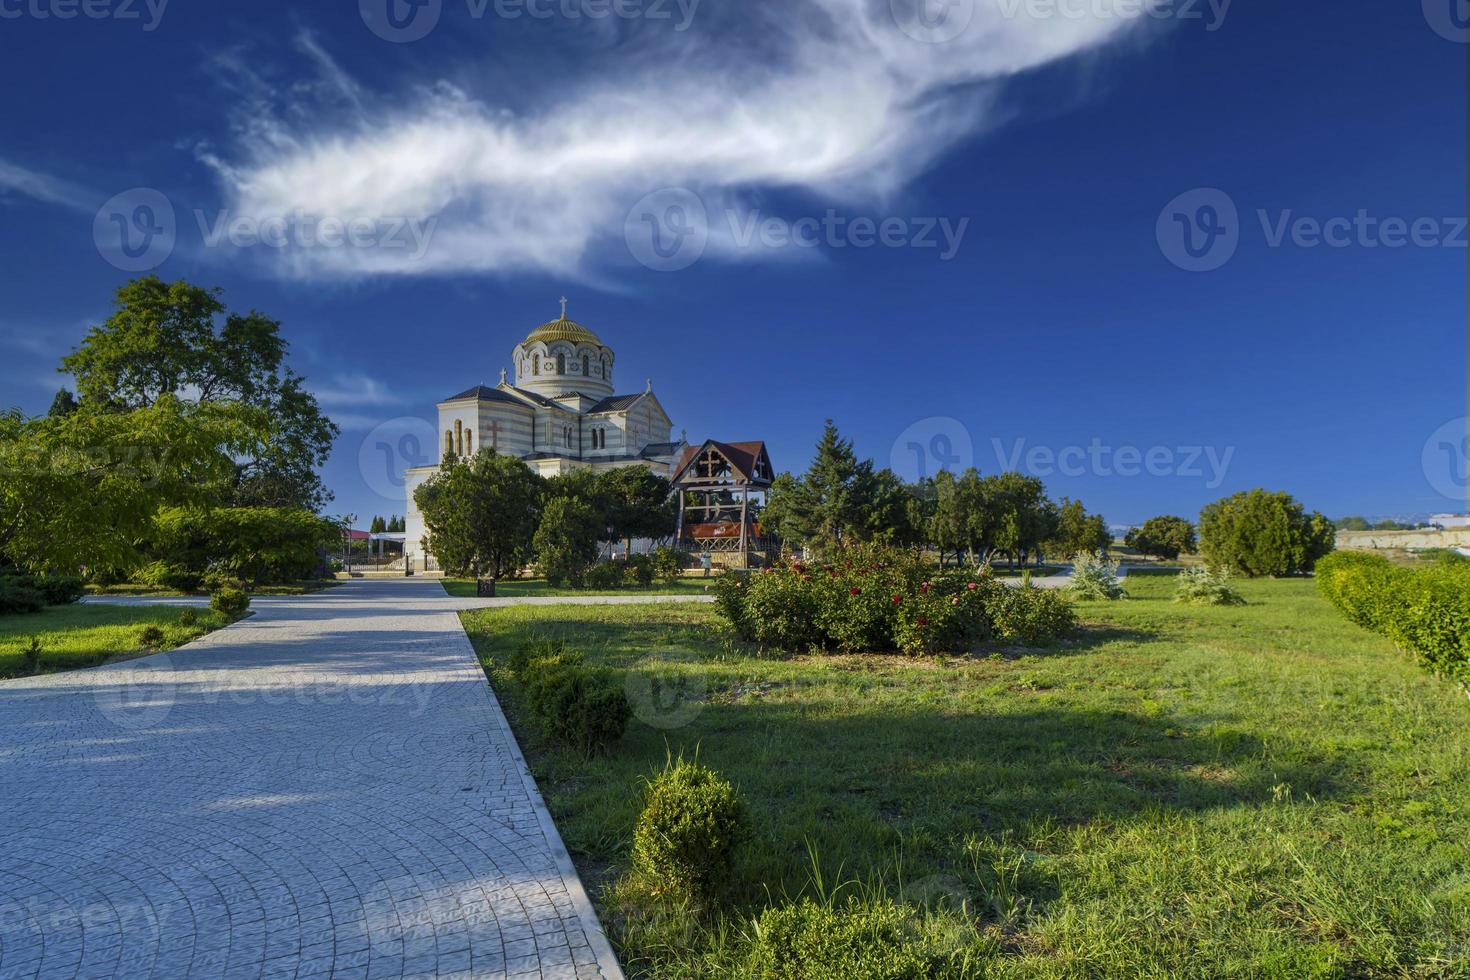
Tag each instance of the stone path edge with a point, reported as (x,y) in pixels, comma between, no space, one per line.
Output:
(607,961)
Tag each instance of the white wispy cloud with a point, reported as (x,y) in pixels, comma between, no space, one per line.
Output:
(835,101)
(355,390)
(44,187)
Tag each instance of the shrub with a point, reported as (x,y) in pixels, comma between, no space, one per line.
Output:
(519,661)
(1163,537)
(30,657)
(1030,616)
(581,708)
(18,594)
(690,831)
(1095,577)
(151,637)
(188,618)
(1362,586)
(1201,586)
(872,938)
(1259,533)
(639,571)
(170,576)
(230,601)
(1425,612)
(874,599)
(668,566)
(604,575)
(729,590)
(60,590)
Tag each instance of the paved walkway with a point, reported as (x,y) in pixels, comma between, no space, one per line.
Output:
(327,788)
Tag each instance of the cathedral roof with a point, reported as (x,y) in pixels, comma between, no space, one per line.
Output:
(563,329)
(615,404)
(483,394)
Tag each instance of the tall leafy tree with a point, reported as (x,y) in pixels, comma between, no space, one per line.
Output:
(1260,533)
(1077,532)
(566,540)
(637,504)
(178,341)
(1164,537)
(481,513)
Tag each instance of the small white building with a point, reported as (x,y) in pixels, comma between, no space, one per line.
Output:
(561,414)
(1448,521)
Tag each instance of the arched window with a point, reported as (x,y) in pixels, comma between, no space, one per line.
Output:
(469,442)
(586,366)
(606,371)
(561,364)
(535,363)
(448,442)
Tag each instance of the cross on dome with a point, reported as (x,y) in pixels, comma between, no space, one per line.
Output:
(563,307)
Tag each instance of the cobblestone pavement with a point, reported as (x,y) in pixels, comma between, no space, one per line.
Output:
(327,788)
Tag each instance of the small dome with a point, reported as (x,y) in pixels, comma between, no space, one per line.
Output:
(563,329)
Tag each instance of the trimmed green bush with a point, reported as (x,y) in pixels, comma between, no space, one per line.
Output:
(729,590)
(604,575)
(522,657)
(230,601)
(30,657)
(189,618)
(692,827)
(1202,586)
(639,571)
(583,709)
(60,590)
(166,575)
(18,594)
(1425,611)
(875,939)
(151,637)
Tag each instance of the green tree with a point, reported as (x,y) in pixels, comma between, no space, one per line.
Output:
(1078,532)
(378,526)
(80,489)
(259,545)
(481,513)
(896,511)
(832,502)
(1164,537)
(178,341)
(1259,533)
(637,504)
(1022,515)
(63,404)
(566,540)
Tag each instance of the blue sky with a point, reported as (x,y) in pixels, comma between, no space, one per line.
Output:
(990,214)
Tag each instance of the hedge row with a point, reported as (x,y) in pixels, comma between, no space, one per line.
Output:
(881,599)
(1425,611)
(24,593)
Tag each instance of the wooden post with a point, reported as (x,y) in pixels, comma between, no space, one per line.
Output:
(745,527)
(679,536)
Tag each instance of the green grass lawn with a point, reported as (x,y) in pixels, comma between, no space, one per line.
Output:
(1261,791)
(88,635)
(530,587)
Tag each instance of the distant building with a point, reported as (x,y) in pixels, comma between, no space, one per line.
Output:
(561,414)
(1448,521)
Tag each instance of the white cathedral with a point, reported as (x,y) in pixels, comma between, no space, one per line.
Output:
(560,415)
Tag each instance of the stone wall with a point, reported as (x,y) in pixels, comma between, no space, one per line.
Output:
(1403,540)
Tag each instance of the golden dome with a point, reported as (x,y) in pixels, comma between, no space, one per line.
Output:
(563,329)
